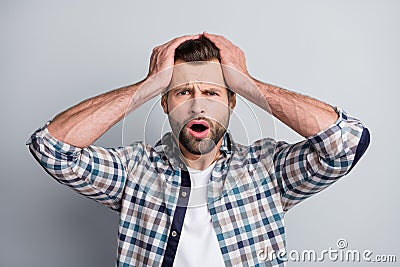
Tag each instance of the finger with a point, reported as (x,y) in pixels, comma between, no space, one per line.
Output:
(178,40)
(219,40)
(214,37)
(165,53)
(168,49)
(174,43)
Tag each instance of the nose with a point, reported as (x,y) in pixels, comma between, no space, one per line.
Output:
(197,105)
(197,102)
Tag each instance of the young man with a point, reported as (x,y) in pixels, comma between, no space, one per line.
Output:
(197,198)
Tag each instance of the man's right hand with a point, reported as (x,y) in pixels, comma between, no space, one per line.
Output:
(162,62)
(82,124)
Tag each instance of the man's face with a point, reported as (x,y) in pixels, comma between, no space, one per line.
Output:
(198,105)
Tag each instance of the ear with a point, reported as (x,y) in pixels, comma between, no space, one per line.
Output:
(164,103)
(232,101)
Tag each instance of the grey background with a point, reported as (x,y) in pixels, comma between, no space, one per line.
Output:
(54,54)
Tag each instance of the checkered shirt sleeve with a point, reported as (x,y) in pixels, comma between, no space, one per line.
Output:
(94,172)
(308,167)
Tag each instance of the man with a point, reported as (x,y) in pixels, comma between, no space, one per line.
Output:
(197,198)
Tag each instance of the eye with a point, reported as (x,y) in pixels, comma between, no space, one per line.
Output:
(212,93)
(183,92)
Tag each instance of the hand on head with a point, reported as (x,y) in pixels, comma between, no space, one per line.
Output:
(231,56)
(233,63)
(162,60)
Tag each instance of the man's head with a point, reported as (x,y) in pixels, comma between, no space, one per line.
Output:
(198,102)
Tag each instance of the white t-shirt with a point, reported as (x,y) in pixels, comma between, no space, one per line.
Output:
(198,244)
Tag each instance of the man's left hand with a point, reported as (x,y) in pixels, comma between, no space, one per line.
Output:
(233,62)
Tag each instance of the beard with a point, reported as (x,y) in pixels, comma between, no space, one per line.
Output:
(200,146)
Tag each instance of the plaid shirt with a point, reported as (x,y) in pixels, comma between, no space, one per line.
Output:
(250,189)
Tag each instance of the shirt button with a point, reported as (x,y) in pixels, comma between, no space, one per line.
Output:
(173,233)
(184,194)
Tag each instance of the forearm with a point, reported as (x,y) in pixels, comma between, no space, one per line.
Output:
(305,115)
(82,124)
(85,122)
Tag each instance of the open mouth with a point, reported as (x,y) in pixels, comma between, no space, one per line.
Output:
(198,128)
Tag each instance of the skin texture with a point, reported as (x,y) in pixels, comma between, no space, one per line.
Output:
(85,122)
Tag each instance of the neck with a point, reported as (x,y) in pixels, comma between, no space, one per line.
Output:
(200,162)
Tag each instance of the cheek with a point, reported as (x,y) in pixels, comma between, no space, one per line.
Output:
(219,112)
(178,111)
(217,107)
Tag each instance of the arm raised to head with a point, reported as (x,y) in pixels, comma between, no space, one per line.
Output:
(85,122)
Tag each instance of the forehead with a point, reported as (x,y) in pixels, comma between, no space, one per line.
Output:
(207,73)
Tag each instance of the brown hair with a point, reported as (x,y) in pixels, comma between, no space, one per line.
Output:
(201,49)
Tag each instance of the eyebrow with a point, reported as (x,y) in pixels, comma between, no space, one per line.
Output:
(189,86)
